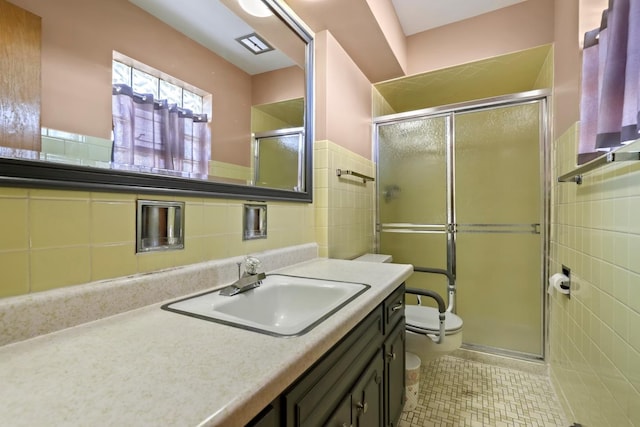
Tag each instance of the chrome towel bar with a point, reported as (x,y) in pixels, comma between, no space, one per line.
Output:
(365,178)
(618,156)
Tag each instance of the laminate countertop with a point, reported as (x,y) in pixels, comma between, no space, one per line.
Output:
(149,366)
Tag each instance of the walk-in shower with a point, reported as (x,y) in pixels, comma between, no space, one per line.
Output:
(462,188)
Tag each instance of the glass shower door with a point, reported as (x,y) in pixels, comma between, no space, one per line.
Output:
(462,192)
(413,195)
(498,212)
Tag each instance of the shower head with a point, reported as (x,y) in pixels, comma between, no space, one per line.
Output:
(390,192)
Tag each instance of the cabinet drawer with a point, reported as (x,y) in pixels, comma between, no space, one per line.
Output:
(393,308)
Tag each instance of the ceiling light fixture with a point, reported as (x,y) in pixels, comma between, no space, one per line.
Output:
(256,8)
(255,43)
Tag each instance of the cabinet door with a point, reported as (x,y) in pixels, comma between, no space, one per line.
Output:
(394,353)
(342,416)
(367,397)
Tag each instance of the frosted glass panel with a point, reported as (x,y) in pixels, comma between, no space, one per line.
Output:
(145,83)
(171,93)
(121,73)
(499,291)
(277,162)
(499,276)
(498,165)
(412,171)
(424,250)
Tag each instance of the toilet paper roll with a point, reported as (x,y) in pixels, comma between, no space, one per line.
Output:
(556,282)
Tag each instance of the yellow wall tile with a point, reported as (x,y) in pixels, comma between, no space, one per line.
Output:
(194,220)
(59,222)
(192,252)
(216,247)
(110,261)
(57,267)
(113,222)
(15,273)
(58,194)
(14,224)
(14,192)
(593,334)
(114,197)
(78,236)
(214,218)
(154,261)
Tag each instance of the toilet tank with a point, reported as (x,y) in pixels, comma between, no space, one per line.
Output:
(374,258)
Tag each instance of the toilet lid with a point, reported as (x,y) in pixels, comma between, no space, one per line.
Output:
(426,318)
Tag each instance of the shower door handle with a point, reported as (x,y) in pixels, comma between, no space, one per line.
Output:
(407,227)
(503,228)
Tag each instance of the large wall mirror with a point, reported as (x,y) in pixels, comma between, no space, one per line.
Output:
(205,97)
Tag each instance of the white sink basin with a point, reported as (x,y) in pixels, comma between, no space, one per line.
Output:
(282,305)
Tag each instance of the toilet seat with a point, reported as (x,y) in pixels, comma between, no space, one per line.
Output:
(425,320)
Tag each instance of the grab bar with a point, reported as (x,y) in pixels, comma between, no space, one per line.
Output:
(365,178)
(441,313)
(451,289)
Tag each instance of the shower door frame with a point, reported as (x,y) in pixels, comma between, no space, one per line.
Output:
(449,111)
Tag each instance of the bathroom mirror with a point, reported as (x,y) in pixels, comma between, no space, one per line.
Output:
(97,91)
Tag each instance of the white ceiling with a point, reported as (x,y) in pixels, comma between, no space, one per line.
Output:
(420,15)
(214,26)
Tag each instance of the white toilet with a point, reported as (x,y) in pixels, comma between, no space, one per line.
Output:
(423,325)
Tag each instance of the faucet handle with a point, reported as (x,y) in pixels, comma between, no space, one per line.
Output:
(252,264)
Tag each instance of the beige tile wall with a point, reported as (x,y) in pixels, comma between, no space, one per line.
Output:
(595,334)
(54,238)
(344,205)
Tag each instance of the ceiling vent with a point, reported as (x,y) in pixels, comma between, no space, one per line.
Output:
(255,43)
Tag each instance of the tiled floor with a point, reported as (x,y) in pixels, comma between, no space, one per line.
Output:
(458,392)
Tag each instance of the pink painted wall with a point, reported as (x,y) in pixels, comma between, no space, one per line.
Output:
(279,85)
(518,27)
(343,98)
(386,18)
(568,65)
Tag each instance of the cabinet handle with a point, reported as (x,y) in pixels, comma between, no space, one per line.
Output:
(391,355)
(397,307)
(362,407)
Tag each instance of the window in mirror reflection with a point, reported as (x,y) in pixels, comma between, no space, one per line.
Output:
(158,125)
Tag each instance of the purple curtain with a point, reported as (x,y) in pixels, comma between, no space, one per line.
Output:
(153,135)
(631,105)
(589,100)
(612,92)
(611,57)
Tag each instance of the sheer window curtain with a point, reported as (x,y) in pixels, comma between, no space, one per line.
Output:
(610,102)
(154,135)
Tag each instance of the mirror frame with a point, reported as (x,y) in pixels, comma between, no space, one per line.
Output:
(40,174)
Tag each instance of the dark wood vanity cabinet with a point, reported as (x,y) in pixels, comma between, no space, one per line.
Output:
(394,354)
(359,382)
(394,351)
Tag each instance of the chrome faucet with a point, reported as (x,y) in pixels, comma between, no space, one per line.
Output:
(249,280)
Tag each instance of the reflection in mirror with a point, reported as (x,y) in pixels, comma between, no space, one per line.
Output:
(140,87)
(279,158)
